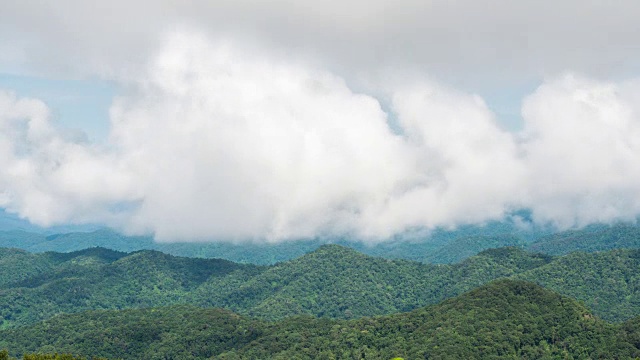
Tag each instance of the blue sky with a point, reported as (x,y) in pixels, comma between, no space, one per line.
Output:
(75,104)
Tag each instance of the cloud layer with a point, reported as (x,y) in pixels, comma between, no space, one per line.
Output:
(465,41)
(214,140)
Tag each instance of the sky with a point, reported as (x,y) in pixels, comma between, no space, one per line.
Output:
(273,121)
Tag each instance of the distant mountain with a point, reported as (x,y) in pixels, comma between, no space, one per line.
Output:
(504,319)
(440,246)
(75,241)
(21,239)
(591,239)
(464,247)
(12,222)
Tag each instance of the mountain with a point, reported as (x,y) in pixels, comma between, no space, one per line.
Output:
(333,281)
(12,222)
(167,333)
(436,246)
(21,239)
(503,319)
(106,238)
(590,239)
(440,246)
(464,247)
(336,281)
(607,282)
(39,286)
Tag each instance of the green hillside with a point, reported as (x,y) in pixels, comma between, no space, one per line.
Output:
(504,319)
(607,282)
(53,283)
(339,282)
(332,281)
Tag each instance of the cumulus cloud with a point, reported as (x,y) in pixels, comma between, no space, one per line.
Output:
(248,147)
(582,151)
(46,177)
(215,140)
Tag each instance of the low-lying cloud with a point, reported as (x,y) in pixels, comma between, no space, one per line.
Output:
(219,142)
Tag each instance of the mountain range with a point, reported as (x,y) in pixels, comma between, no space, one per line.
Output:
(440,246)
(505,319)
(332,281)
(457,294)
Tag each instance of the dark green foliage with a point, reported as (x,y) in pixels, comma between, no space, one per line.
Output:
(4,355)
(607,282)
(333,281)
(505,319)
(18,265)
(502,320)
(103,279)
(167,333)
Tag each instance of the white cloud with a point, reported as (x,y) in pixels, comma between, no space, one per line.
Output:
(215,140)
(466,170)
(231,145)
(582,151)
(48,179)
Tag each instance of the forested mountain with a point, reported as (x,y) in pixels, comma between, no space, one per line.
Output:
(467,246)
(4,355)
(339,282)
(38,286)
(504,319)
(322,301)
(592,239)
(332,281)
(607,282)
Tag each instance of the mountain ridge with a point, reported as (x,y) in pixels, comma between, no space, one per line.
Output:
(333,281)
(501,319)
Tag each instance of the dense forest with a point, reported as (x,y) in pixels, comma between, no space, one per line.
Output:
(504,319)
(4,355)
(569,295)
(333,281)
